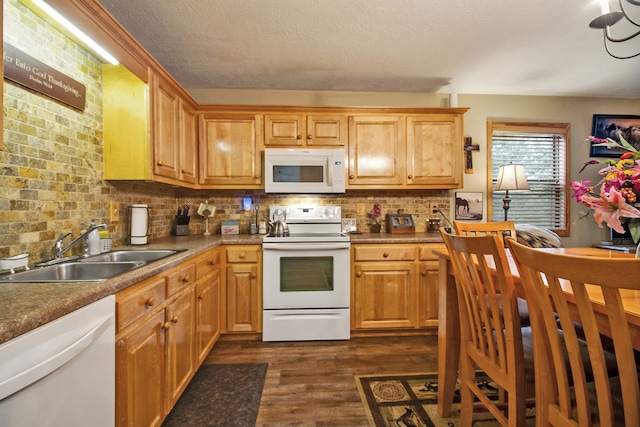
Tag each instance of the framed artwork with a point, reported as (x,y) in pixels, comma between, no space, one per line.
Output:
(468,206)
(612,126)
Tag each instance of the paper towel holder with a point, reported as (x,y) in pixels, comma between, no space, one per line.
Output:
(140,224)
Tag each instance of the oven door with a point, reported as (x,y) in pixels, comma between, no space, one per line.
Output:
(305,275)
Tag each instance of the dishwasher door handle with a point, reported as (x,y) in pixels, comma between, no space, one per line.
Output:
(51,362)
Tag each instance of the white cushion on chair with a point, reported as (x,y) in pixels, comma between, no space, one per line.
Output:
(537,237)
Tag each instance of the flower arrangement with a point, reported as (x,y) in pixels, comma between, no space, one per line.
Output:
(619,188)
(376,212)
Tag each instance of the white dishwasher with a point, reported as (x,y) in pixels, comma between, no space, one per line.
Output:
(62,373)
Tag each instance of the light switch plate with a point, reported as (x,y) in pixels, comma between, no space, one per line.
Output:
(348,225)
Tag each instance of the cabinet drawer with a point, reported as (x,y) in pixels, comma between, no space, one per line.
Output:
(426,252)
(135,302)
(243,254)
(385,253)
(207,264)
(178,279)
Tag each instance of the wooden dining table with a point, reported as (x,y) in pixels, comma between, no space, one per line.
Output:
(449,320)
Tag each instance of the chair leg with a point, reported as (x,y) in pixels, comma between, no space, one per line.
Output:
(467,374)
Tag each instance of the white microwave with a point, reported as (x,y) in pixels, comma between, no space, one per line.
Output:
(304,170)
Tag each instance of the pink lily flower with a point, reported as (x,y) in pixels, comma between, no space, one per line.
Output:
(609,208)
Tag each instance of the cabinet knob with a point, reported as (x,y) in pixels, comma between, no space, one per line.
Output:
(242,255)
(359,274)
(424,273)
(159,164)
(212,263)
(149,302)
(309,136)
(253,275)
(410,177)
(299,137)
(186,279)
(183,171)
(166,325)
(174,319)
(352,177)
(385,255)
(200,297)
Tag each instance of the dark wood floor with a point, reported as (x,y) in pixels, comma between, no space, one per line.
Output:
(312,384)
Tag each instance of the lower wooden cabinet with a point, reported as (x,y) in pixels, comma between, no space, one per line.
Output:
(394,286)
(244,288)
(165,327)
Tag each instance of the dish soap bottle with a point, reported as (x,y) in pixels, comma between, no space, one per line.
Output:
(93,240)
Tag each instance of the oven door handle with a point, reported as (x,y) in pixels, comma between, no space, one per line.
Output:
(306,246)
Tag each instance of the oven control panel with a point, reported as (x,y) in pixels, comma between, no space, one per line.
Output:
(309,214)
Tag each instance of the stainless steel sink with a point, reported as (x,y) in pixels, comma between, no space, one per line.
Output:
(146,255)
(73,272)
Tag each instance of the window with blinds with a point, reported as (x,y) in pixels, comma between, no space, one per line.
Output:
(542,149)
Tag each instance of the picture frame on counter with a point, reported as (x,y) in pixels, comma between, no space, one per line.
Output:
(400,223)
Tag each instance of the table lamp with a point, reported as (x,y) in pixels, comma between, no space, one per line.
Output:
(510,177)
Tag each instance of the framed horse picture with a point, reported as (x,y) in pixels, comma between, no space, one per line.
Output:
(614,126)
(468,206)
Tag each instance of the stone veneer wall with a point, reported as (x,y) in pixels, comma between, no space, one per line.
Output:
(51,166)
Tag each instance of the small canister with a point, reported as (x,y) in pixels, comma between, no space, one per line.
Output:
(262,229)
(433,225)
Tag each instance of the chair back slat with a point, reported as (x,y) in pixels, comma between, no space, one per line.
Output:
(501,229)
(560,289)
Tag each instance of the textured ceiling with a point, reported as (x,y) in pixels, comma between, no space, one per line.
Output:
(535,47)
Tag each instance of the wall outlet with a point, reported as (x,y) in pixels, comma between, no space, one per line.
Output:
(114,212)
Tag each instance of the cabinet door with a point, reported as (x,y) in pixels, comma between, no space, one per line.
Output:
(428,294)
(326,129)
(244,298)
(434,151)
(385,295)
(140,365)
(180,345)
(188,122)
(165,129)
(376,150)
(230,150)
(284,130)
(207,313)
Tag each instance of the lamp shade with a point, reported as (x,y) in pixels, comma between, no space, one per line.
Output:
(511,177)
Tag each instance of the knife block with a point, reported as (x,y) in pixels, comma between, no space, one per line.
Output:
(182,230)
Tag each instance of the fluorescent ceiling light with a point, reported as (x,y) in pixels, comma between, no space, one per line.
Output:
(76,32)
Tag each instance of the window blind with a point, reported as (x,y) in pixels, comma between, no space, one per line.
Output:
(544,158)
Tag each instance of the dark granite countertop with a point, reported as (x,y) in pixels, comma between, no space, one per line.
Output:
(26,306)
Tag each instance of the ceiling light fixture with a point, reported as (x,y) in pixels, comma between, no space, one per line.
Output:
(607,19)
(88,41)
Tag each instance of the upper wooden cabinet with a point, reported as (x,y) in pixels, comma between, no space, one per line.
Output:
(376,151)
(435,150)
(150,130)
(406,150)
(231,150)
(299,130)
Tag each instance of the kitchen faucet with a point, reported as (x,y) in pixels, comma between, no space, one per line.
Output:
(59,249)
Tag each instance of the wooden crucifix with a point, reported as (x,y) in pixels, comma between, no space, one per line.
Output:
(469,148)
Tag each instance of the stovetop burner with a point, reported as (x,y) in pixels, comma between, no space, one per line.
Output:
(309,224)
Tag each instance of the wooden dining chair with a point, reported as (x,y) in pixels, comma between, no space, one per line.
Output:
(491,334)
(581,392)
(499,228)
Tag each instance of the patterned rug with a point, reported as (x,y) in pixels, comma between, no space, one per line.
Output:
(220,395)
(410,400)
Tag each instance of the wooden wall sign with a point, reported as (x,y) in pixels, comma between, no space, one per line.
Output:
(39,77)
